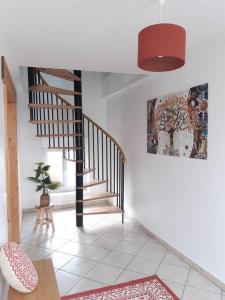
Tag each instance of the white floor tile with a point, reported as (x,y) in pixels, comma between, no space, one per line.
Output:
(128,276)
(173,273)
(72,248)
(104,273)
(116,234)
(191,293)
(79,266)
(35,238)
(153,243)
(103,251)
(117,259)
(53,243)
(128,247)
(86,285)
(60,259)
(25,246)
(136,238)
(93,253)
(37,253)
(196,280)
(105,243)
(66,234)
(86,238)
(152,253)
(175,287)
(66,281)
(25,232)
(172,259)
(144,266)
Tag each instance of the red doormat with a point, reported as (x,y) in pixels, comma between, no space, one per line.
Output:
(149,288)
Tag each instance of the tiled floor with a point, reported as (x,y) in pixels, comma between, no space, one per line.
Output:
(108,252)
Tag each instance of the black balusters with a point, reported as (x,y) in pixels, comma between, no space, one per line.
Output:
(110,165)
(53,125)
(114,168)
(83,132)
(102,158)
(122,189)
(79,152)
(89,154)
(57,118)
(117,176)
(31,83)
(107,172)
(93,149)
(98,151)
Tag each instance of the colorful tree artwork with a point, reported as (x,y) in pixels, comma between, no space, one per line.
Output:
(177,124)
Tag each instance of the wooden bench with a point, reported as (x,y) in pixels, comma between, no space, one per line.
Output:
(47,286)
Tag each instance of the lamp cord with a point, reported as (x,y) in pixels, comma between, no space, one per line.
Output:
(161,19)
(161,9)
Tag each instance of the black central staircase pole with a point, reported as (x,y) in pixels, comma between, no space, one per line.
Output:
(79,152)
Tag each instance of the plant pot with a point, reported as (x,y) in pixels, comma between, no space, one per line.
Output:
(44,200)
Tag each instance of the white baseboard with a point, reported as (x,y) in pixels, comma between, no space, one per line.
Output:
(186,259)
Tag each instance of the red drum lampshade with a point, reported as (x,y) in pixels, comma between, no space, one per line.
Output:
(161,47)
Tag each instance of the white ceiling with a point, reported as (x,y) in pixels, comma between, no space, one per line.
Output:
(98,35)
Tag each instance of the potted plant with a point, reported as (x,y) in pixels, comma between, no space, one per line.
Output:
(44,183)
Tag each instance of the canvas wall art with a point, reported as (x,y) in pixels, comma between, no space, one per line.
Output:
(177,124)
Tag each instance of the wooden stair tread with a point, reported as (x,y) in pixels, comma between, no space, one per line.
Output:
(61,73)
(54,121)
(53,90)
(59,135)
(85,171)
(74,160)
(92,183)
(49,106)
(100,196)
(101,210)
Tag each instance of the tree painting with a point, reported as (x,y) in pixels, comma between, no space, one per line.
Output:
(181,116)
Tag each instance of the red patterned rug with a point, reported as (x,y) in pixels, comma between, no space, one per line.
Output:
(149,288)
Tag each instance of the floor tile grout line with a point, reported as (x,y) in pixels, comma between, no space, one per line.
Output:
(128,230)
(161,261)
(186,282)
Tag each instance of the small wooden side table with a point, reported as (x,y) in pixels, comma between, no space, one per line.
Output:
(44,217)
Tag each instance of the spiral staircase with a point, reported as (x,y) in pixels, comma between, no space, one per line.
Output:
(98,158)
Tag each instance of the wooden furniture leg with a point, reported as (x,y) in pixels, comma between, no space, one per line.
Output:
(47,217)
(38,212)
(52,222)
(42,217)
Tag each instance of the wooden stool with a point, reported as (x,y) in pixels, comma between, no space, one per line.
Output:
(44,217)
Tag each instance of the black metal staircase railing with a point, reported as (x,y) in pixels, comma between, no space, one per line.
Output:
(80,138)
(105,156)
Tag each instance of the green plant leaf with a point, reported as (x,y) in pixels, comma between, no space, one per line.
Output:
(39,163)
(47,180)
(46,168)
(39,188)
(34,179)
(43,179)
(53,186)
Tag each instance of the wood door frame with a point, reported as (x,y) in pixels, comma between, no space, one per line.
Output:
(13,209)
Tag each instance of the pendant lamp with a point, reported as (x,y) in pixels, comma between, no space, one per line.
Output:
(161,47)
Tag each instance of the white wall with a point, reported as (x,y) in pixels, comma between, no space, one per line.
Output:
(115,82)
(3,207)
(180,200)
(31,148)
